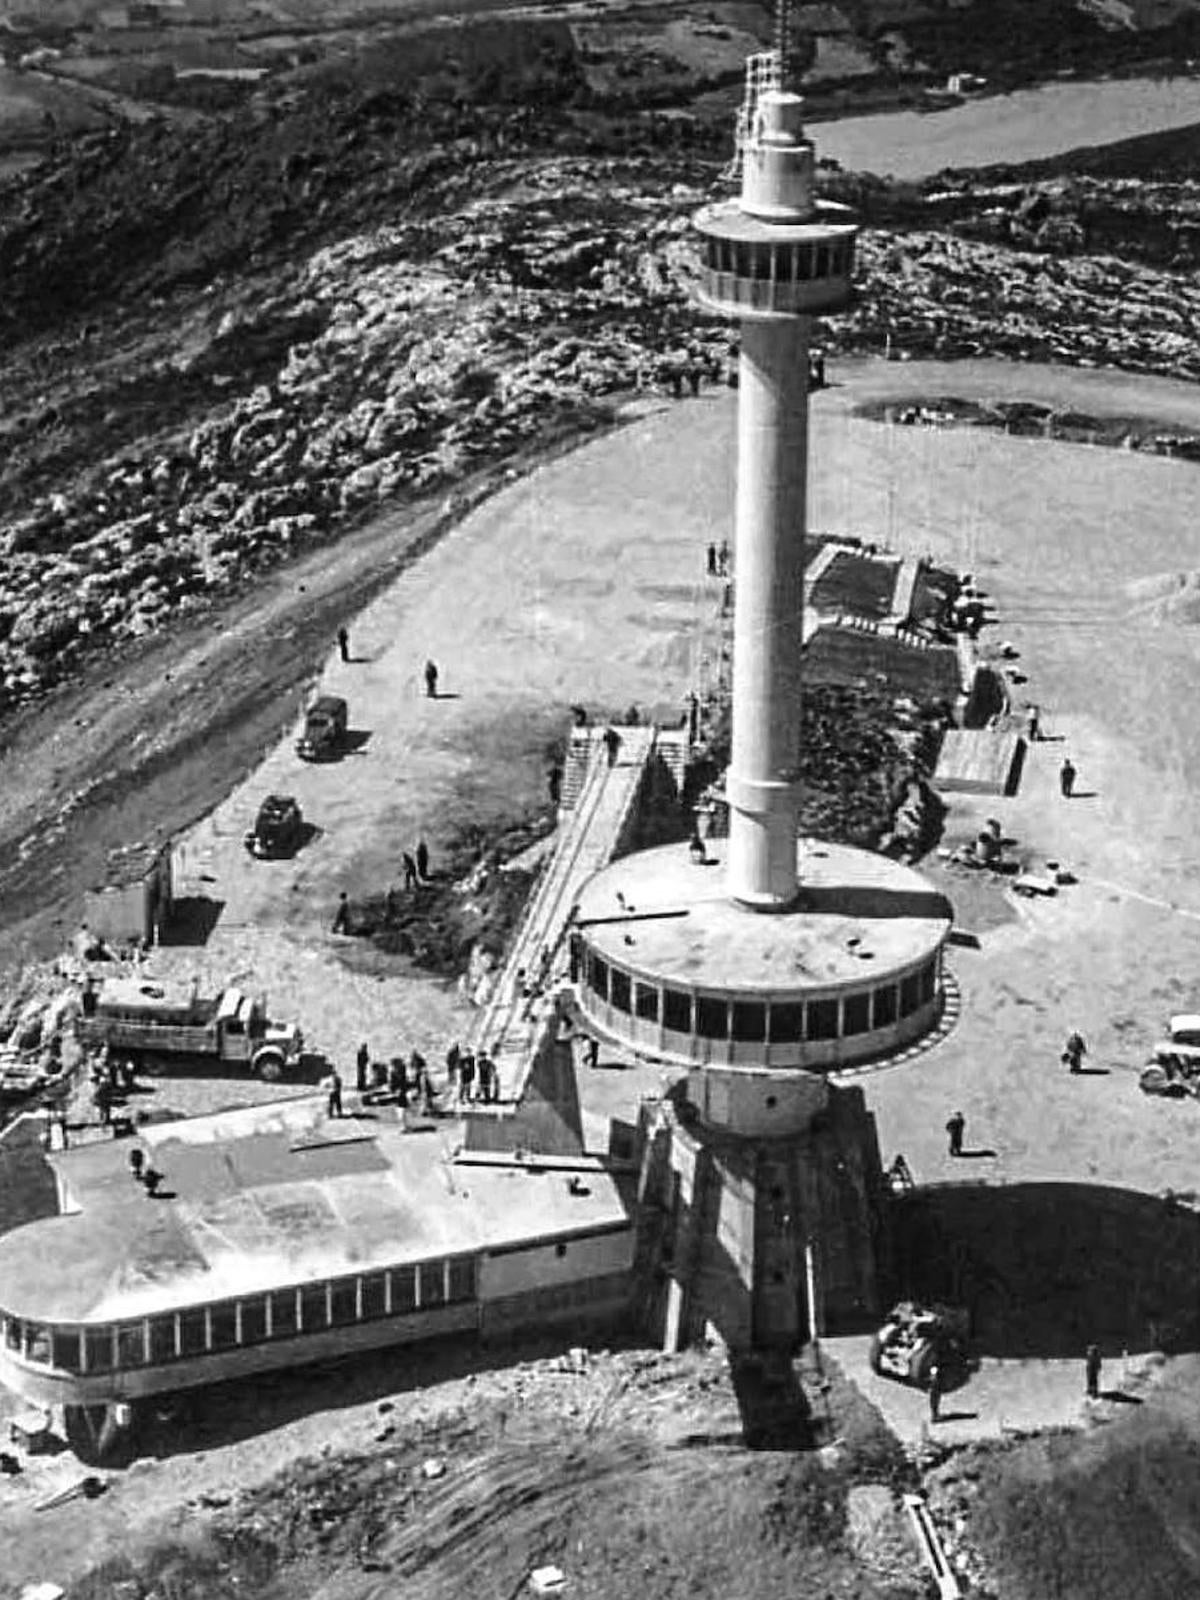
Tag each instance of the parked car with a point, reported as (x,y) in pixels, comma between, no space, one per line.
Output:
(324,735)
(278,829)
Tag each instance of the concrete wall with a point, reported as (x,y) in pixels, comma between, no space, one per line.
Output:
(757,1104)
(547,1120)
(563,1261)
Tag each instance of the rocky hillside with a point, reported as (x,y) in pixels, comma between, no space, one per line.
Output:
(223,345)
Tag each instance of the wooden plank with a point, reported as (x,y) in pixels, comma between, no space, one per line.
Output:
(978,761)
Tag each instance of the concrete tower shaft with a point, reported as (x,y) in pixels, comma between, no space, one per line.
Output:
(774,258)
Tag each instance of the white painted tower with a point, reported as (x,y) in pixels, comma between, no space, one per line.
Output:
(774,258)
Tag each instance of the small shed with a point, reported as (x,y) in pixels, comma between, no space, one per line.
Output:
(134,901)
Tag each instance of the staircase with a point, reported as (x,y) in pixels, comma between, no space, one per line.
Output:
(590,834)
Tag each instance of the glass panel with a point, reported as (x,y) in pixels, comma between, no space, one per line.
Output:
(193,1333)
(885,1006)
(37,1346)
(822,261)
(928,981)
(404,1289)
(131,1344)
(712,1017)
(749,1021)
(374,1295)
(162,1338)
(804,261)
(345,1302)
(598,976)
(910,993)
(99,1349)
(224,1327)
(254,1320)
(646,1001)
(462,1278)
(67,1350)
(283,1314)
(619,995)
(313,1311)
(787,1022)
(856,1013)
(677,1011)
(12,1333)
(433,1285)
(822,1019)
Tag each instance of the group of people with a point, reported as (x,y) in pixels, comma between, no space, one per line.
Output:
(717,560)
(471,1078)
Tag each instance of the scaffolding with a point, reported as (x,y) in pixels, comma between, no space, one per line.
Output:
(763,72)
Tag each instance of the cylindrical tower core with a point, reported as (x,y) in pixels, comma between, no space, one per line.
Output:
(769,614)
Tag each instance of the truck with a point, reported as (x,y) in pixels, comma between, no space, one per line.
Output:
(153,1018)
(324,733)
(1174,1069)
(916,1338)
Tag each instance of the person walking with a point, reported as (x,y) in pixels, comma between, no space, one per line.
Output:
(334,1088)
(341,917)
(1092,1364)
(1074,1051)
(935,1393)
(955,1127)
(362,1063)
(411,875)
(343,639)
(422,861)
(431,680)
(1066,778)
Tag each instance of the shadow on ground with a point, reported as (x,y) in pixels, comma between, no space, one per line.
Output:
(1047,1268)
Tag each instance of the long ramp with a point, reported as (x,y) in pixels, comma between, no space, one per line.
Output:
(589,835)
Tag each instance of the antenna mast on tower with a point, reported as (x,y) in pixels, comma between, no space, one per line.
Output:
(769,69)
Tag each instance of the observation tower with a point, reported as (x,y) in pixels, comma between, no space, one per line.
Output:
(776,960)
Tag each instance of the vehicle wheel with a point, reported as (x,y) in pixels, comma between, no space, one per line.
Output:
(921,1364)
(269,1065)
(94,1434)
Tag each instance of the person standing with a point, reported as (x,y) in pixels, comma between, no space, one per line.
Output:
(466,1078)
(612,743)
(343,639)
(1033,724)
(411,875)
(362,1062)
(1066,778)
(453,1055)
(334,1084)
(420,1072)
(484,1068)
(398,1081)
(1074,1051)
(955,1127)
(1091,1366)
(341,917)
(935,1393)
(431,680)
(422,861)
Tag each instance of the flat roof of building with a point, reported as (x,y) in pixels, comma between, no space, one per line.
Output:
(659,914)
(270,1196)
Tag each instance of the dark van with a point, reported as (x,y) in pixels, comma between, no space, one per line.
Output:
(324,729)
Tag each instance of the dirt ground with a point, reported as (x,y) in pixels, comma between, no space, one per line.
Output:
(585,582)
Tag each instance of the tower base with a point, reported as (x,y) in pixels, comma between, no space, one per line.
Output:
(761,1242)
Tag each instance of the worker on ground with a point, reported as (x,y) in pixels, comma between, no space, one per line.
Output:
(1033,724)
(935,1392)
(398,1080)
(466,1078)
(343,639)
(411,876)
(102,1097)
(419,1070)
(955,1127)
(362,1062)
(422,861)
(593,1055)
(486,1071)
(453,1056)
(431,680)
(1092,1365)
(1074,1051)
(712,561)
(341,917)
(334,1088)
(1066,778)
